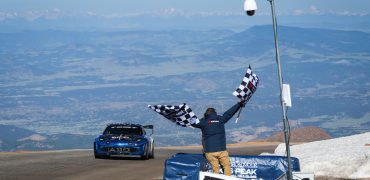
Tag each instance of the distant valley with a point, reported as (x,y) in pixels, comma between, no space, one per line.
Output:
(62,88)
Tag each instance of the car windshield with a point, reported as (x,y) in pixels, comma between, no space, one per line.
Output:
(125,130)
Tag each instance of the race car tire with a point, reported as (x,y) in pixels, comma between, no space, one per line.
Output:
(97,156)
(152,152)
(145,156)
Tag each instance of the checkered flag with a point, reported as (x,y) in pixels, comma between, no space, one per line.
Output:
(181,115)
(246,89)
(248,86)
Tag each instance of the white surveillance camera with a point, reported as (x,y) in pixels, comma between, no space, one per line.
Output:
(250,6)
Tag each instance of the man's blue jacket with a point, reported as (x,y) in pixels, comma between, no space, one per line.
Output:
(213,129)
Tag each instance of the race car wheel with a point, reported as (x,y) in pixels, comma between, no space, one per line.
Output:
(97,156)
(145,156)
(152,152)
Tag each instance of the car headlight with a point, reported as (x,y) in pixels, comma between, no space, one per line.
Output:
(102,139)
(140,140)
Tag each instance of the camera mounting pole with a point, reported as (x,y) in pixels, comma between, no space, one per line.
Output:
(283,105)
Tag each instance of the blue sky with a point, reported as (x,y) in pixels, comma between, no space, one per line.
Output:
(178,14)
(192,6)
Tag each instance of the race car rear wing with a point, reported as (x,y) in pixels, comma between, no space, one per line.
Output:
(149,127)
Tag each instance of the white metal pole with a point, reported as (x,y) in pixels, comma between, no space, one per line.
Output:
(285,120)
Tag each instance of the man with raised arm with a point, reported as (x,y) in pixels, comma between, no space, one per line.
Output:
(214,138)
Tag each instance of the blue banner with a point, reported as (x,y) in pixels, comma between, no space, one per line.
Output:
(188,166)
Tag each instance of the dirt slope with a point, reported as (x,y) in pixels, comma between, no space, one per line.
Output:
(305,134)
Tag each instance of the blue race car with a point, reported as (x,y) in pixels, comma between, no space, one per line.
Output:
(127,140)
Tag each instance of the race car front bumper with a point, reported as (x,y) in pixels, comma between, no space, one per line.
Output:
(120,149)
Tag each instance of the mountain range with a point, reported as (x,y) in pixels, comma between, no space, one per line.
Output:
(13,138)
(65,82)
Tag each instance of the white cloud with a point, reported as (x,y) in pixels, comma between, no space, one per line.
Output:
(311,10)
(32,15)
(56,10)
(8,15)
(314,10)
(57,13)
(91,13)
(168,11)
(298,12)
(348,13)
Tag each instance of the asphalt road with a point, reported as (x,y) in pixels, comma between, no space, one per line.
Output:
(81,164)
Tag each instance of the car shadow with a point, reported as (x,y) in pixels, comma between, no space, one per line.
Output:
(123,158)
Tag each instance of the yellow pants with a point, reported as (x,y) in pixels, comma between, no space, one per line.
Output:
(220,157)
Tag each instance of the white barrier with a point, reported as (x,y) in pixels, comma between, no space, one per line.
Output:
(212,176)
(299,176)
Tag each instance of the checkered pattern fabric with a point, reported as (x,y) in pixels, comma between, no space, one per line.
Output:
(248,86)
(181,115)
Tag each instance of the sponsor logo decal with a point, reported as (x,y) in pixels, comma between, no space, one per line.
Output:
(213,121)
